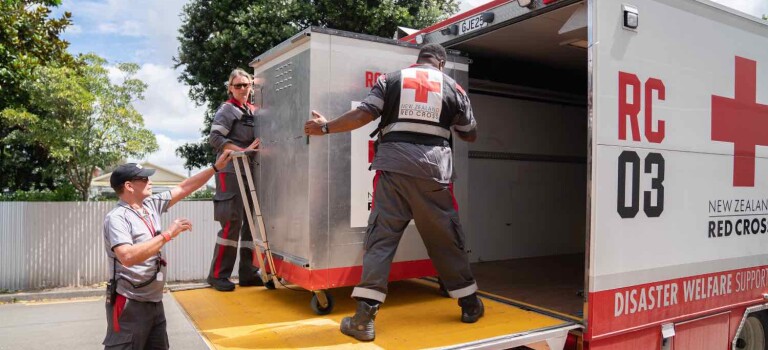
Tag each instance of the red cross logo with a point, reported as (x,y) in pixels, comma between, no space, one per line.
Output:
(422,85)
(742,121)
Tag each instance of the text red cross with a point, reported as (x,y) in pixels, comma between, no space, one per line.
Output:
(742,121)
(422,85)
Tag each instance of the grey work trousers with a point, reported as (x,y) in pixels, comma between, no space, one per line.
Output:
(135,325)
(397,199)
(229,211)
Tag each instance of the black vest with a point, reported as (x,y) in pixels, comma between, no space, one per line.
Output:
(420,104)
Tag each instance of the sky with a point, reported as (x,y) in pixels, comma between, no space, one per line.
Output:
(144,32)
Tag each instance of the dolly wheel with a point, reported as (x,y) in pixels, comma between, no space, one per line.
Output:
(270,284)
(315,303)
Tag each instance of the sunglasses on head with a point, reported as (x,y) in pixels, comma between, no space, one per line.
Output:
(241,86)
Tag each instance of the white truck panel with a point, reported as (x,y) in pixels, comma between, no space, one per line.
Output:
(703,73)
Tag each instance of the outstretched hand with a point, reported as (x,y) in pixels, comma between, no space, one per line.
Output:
(314,126)
(180,225)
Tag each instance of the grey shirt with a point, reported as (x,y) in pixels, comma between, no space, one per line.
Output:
(232,123)
(427,162)
(124,225)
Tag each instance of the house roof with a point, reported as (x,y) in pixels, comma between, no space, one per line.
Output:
(162,177)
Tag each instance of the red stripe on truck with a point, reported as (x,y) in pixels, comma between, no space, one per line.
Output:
(621,310)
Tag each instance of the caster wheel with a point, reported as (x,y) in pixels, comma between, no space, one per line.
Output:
(317,308)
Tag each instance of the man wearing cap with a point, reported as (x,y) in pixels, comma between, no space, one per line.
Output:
(133,239)
(418,107)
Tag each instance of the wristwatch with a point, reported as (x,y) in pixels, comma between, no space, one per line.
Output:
(324,128)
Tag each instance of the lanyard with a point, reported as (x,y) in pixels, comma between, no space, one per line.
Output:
(150,225)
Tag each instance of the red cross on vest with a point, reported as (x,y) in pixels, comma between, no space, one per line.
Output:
(742,121)
(422,85)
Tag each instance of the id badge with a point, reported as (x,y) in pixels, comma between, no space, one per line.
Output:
(160,276)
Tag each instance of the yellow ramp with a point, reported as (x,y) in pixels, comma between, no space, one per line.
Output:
(415,316)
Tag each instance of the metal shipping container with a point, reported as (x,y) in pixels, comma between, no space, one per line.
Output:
(315,192)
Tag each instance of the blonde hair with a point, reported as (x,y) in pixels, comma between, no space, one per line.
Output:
(237,72)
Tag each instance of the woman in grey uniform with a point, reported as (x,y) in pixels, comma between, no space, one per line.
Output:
(233,129)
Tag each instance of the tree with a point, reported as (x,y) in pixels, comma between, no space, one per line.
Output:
(217,36)
(29,38)
(82,119)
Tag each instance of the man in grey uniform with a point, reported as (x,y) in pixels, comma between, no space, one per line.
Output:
(133,240)
(418,107)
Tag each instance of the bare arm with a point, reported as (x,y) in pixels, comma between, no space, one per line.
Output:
(132,254)
(349,121)
(198,180)
(231,146)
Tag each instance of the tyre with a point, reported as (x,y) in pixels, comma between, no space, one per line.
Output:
(315,304)
(753,334)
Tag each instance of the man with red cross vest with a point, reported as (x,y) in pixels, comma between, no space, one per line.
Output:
(418,107)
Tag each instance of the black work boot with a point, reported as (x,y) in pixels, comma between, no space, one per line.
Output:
(471,308)
(221,284)
(250,278)
(360,326)
(251,282)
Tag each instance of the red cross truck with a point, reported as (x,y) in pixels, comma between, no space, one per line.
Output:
(619,182)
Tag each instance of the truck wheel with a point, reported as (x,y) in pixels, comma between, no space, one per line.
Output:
(752,336)
(319,309)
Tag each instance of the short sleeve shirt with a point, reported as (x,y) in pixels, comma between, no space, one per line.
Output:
(125,225)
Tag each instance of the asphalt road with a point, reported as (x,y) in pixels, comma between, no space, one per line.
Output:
(79,324)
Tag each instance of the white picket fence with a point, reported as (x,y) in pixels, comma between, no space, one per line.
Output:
(60,244)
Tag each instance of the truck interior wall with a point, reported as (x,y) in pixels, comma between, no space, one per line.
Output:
(529,74)
(534,207)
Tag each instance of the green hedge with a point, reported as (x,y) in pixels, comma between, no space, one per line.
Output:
(64,193)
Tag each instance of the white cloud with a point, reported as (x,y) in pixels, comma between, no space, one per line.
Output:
(166,157)
(166,106)
(167,112)
(74,29)
(125,28)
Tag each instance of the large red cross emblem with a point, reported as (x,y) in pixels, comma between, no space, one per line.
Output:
(742,121)
(422,85)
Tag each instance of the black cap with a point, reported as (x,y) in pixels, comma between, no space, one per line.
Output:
(127,172)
